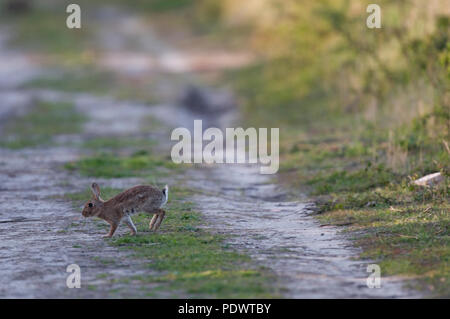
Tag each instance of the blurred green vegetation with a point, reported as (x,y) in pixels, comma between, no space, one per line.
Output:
(41,125)
(80,79)
(120,143)
(361,113)
(111,165)
(154,5)
(41,28)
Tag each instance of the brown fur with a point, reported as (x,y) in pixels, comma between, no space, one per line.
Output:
(139,198)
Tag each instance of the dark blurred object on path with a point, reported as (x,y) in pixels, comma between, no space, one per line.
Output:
(18,6)
(206,100)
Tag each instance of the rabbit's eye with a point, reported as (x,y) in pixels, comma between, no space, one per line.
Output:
(91,205)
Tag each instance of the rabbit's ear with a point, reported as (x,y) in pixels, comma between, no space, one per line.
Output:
(95,190)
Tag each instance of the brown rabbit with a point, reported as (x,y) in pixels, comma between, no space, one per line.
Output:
(138,198)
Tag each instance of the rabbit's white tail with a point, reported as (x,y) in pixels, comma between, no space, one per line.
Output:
(166,194)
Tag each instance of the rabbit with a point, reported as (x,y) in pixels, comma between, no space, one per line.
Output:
(138,198)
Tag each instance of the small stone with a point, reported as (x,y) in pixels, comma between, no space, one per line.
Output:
(430,180)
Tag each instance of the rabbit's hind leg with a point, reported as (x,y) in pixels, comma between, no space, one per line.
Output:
(153,221)
(127,220)
(156,219)
(161,215)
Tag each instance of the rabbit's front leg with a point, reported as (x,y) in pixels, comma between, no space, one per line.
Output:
(112,230)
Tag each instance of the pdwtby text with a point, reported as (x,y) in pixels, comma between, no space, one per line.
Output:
(256,308)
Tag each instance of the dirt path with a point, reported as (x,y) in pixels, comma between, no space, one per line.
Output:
(41,234)
(310,261)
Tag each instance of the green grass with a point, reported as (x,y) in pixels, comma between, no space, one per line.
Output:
(82,79)
(119,143)
(74,52)
(85,77)
(45,31)
(359,180)
(192,259)
(104,261)
(403,227)
(109,165)
(411,240)
(39,126)
(155,6)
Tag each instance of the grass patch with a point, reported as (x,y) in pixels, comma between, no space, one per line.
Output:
(109,165)
(104,261)
(403,227)
(44,30)
(84,77)
(76,80)
(192,259)
(189,258)
(155,6)
(119,143)
(39,126)
(359,180)
(405,240)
